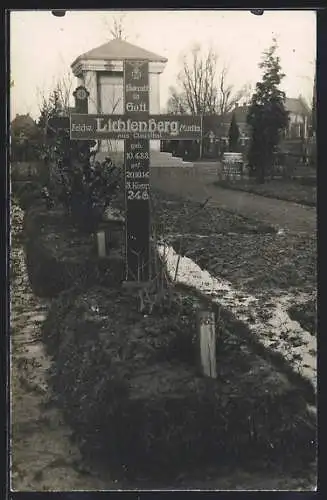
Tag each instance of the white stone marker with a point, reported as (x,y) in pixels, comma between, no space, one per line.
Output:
(101,243)
(207,340)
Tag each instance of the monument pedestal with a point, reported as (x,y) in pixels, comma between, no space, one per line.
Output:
(157,159)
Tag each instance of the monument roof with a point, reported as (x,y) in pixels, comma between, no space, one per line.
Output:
(118,50)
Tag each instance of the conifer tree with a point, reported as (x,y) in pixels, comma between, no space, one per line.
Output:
(234,134)
(267,115)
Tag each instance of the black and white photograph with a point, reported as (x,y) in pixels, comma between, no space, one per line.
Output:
(163,250)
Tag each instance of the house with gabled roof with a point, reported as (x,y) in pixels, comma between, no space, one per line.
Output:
(299,117)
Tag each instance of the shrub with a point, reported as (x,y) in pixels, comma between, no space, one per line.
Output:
(83,186)
(27,193)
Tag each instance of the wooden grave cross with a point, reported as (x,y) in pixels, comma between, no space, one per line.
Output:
(136,127)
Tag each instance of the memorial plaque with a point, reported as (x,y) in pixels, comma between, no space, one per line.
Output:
(135,125)
(136,86)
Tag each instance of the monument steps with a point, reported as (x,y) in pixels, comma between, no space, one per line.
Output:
(163,159)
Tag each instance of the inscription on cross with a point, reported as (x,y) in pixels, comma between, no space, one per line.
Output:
(137,159)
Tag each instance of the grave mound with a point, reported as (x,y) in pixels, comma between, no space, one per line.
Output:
(130,388)
(59,256)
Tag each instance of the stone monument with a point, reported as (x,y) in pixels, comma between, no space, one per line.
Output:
(101,71)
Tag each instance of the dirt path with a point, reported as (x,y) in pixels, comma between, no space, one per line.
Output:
(43,456)
(284,214)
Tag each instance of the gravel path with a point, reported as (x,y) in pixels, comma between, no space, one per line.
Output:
(284,214)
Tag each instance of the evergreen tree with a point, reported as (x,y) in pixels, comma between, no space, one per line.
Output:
(234,134)
(267,115)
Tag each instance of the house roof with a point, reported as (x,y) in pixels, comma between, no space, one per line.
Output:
(293,105)
(23,120)
(120,49)
(240,114)
(296,106)
(23,123)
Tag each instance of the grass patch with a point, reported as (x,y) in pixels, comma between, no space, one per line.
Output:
(298,191)
(171,214)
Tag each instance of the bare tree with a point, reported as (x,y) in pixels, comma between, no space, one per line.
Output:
(203,89)
(197,81)
(64,88)
(58,98)
(116,28)
(56,102)
(176,103)
(227,97)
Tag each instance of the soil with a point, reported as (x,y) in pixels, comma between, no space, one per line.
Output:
(44,455)
(268,262)
(175,215)
(306,315)
(250,254)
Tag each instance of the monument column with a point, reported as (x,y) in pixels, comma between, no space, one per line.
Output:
(90,82)
(154,103)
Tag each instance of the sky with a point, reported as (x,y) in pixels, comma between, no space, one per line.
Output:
(42,46)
